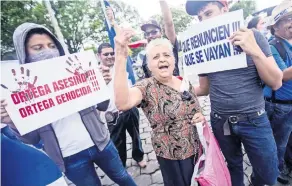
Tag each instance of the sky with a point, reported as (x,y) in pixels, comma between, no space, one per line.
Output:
(147,8)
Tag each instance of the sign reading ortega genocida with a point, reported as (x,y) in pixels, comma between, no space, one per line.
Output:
(42,92)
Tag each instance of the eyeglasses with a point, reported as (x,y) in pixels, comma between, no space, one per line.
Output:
(151,33)
(109,53)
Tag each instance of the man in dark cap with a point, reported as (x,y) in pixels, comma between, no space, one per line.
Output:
(238,114)
(152,30)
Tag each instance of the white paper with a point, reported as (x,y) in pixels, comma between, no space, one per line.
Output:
(28,115)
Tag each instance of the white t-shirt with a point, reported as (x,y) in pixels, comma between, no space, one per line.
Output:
(72,135)
(112,107)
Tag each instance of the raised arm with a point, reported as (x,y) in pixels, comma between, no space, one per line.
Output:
(125,97)
(168,21)
(111,18)
(266,66)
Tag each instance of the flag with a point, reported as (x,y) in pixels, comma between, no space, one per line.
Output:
(111,35)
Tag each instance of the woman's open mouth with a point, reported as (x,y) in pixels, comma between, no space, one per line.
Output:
(163,67)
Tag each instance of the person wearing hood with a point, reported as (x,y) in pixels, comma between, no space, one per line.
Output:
(77,141)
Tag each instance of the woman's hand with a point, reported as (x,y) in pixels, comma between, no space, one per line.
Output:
(122,40)
(198,117)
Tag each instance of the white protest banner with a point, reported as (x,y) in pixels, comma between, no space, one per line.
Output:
(206,47)
(42,92)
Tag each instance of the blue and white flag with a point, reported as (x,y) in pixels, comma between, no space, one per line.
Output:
(111,35)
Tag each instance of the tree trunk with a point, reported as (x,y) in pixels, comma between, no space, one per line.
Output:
(56,26)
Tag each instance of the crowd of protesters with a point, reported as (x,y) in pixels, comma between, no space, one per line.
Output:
(250,107)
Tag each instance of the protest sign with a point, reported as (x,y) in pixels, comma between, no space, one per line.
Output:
(206,47)
(42,92)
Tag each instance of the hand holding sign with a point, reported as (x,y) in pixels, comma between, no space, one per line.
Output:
(5,118)
(246,40)
(105,71)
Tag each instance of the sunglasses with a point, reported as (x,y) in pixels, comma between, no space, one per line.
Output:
(151,33)
(109,53)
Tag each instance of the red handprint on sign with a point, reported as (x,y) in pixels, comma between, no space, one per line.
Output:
(75,66)
(23,80)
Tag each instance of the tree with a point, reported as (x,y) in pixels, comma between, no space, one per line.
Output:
(248,7)
(14,13)
(181,19)
(80,21)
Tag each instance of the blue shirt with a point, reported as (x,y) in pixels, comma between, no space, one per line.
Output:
(285,92)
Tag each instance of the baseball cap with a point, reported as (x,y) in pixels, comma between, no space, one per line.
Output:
(282,10)
(193,6)
(150,23)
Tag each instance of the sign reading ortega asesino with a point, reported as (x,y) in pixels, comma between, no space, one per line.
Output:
(42,92)
(206,47)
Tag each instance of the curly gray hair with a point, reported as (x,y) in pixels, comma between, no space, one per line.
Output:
(158,42)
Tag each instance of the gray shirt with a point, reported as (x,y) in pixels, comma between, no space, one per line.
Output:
(239,91)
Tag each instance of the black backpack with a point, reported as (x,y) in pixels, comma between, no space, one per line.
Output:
(276,42)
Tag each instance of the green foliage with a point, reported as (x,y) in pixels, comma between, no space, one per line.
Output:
(248,7)
(14,13)
(181,19)
(79,21)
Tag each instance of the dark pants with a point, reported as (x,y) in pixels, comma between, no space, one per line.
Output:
(177,172)
(23,165)
(127,121)
(288,153)
(80,168)
(280,116)
(256,135)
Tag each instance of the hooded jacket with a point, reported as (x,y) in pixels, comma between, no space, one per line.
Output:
(90,116)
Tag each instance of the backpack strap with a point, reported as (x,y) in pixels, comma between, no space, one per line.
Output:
(276,42)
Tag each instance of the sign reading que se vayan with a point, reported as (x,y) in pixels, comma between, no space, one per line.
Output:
(206,47)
